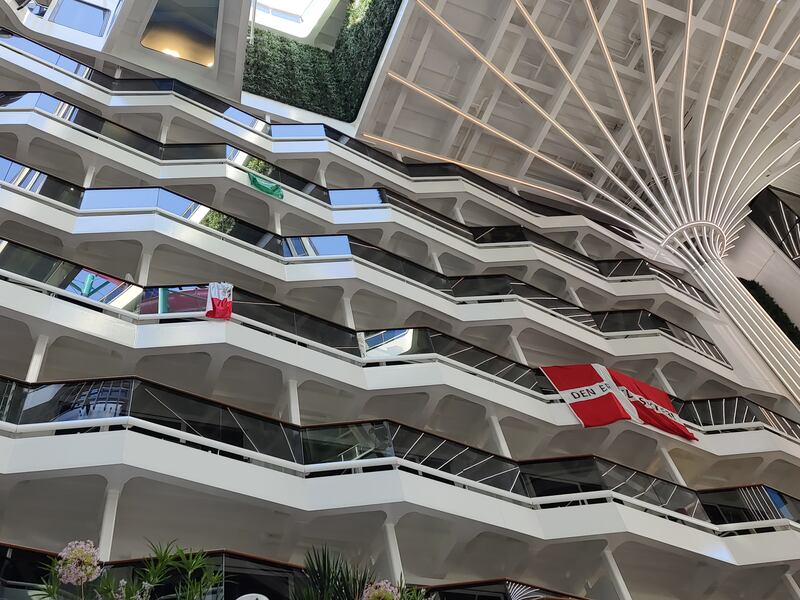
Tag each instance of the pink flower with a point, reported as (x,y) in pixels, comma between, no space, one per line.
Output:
(381,590)
(78,563)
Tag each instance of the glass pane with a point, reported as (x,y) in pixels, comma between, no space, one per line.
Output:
(82,16)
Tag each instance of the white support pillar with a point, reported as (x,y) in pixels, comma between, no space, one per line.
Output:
(516,348)
(671,467)
(111,502)
(791,585)
(663,382)
(275,218)
(498,436)
(143,269)
(347,310)
(163,131)
(88,179)
(37,358)
(291,409)
(437,265)
(573,296)
(616,576)
(392,551)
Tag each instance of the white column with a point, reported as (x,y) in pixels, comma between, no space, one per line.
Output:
(615,575)
(113,491)
(791,585)
(163,132)
(516,348)
(143,270)
(347,309)
(437,266)
(88,179)
(499,437)
(37,359)
(392,551)
(672,468)
(663,382)
(291,410)
(275,222)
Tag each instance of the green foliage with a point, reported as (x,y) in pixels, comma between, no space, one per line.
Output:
(192,573)
(218,221)
(260,166)
(330,83)
(328,576)
(774,310)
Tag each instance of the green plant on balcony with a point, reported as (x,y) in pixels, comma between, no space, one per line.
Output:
(328,576)
(218,221)
(77,572)
(330,83)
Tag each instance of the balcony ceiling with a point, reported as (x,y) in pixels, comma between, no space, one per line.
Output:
(437,97)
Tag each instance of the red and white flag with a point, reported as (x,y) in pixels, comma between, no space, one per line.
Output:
(591,394)
(652,404)
(599,396)
(219,302)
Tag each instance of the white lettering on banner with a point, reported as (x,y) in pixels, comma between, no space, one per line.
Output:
(586,393)
(649,403)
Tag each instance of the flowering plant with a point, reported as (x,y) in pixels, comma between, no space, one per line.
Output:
(381,590)
(78,563)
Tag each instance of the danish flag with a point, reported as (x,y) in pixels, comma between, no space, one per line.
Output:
(219,302)
(599,396)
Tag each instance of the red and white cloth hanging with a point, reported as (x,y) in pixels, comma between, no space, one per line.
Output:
(219,302)
(599,396)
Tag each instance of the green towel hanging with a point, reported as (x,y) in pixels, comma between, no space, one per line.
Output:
(273,189)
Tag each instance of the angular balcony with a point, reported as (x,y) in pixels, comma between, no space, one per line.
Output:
(466,288)
(720,415)
(329,450)
(619,269)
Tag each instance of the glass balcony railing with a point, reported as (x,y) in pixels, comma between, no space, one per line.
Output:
(219,428)
(343,197)
(726,414)
(339,246)
(749,504)
(775,211)
(620,321)
(635,267)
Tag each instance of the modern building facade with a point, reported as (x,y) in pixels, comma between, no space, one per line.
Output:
(421,206)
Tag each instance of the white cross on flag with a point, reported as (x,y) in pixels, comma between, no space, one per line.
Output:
(599,396)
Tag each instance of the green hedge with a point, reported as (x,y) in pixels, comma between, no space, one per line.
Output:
(330,83)
(774,310)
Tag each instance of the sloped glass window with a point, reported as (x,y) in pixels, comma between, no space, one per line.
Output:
(185,29)
(82,16)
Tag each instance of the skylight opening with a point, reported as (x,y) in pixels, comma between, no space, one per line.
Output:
(296,18)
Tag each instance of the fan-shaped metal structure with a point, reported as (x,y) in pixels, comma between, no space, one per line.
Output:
(668,116)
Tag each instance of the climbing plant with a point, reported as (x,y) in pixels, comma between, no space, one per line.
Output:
(330,83)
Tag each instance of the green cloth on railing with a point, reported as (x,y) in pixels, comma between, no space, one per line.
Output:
(262,185)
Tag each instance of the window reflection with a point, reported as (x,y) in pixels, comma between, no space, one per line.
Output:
(82,16)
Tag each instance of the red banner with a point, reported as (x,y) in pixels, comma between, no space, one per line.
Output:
(600,396)
(219,302)
(591,396)
(652,404)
